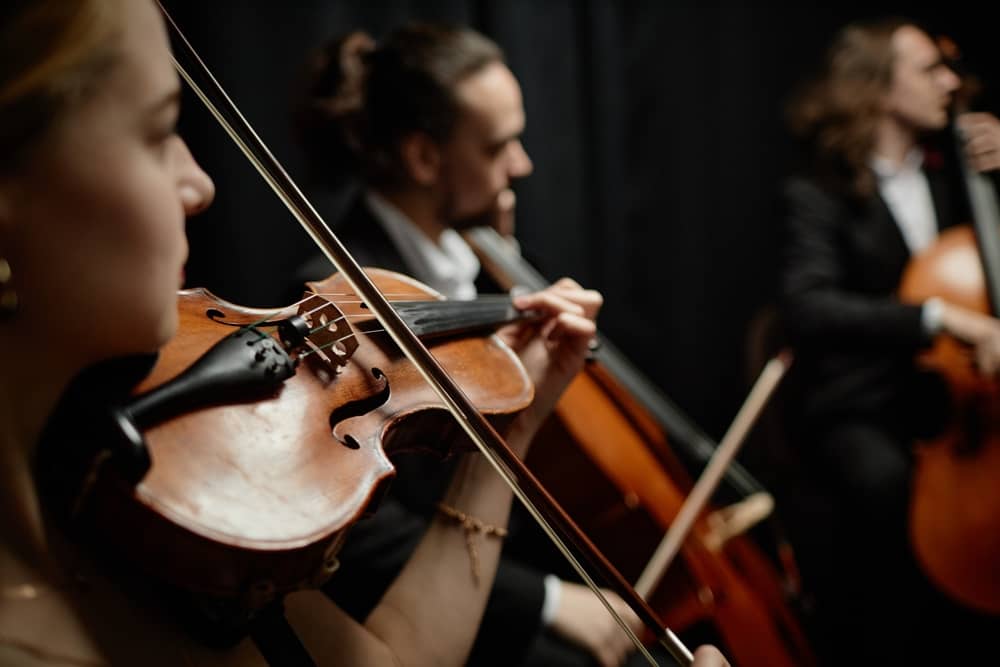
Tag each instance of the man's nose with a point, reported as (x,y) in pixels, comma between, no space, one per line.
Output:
(521,164)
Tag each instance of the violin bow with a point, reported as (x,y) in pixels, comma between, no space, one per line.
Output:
(536,500)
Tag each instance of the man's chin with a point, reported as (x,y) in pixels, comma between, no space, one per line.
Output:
(483,219)
(941,120)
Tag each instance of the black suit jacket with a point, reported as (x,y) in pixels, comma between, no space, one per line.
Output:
(843,261)
(379,546)
(364,238)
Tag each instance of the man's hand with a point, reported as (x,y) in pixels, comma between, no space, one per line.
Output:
(581,619)
(980,331)
(982,140)
(709,656)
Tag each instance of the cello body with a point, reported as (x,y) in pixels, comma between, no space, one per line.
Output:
(608,462)
(612,471)
(955,506)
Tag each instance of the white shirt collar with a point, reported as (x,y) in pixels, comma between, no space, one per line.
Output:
(884,168)
(448,266)
(905,190)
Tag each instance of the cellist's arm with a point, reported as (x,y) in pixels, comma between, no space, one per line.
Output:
(819,304)
(709,656)
(982,332)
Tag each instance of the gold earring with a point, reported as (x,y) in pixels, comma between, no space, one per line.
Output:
(8,296)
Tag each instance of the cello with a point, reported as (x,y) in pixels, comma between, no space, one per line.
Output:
(606,457)
(955,509)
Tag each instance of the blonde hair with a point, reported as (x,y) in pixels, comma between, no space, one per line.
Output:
(52,52)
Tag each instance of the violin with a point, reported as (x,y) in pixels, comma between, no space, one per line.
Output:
(267,433)
(221,512)
(955,507)
(606,457)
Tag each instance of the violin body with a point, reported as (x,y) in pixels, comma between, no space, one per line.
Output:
(955,508)
(251,499)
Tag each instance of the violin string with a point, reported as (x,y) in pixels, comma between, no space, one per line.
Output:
(328,323)
(329,344)
(267,318)
(255,326)
(335,320)
(325,346)
(352,297)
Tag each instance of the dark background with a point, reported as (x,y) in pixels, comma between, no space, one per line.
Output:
(656,129)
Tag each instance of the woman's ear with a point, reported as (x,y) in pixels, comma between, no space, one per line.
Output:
(421,157)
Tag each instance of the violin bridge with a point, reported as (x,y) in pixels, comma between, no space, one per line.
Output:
(331,339)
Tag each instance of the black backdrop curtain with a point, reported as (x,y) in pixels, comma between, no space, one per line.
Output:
(656,132)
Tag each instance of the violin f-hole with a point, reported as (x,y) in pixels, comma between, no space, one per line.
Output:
(360,407)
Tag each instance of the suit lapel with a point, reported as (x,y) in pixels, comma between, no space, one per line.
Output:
(365,236)
(944,207)
(884,231)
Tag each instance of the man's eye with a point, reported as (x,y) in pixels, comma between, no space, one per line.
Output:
(496,149)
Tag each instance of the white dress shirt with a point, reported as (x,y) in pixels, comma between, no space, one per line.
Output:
(906,192)
(448,266)
(908,196)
